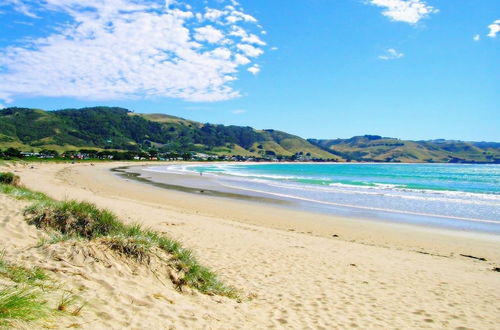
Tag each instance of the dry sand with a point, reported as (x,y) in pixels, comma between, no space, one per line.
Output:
(295,273)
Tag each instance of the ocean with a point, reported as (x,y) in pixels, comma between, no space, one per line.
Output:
(453,196)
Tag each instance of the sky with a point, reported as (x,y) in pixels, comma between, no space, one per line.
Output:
(411,69)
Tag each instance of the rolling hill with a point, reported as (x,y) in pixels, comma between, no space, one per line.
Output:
(121,129)
(111,128)
(373,148)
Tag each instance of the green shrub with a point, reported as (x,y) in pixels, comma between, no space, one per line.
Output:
(9,178)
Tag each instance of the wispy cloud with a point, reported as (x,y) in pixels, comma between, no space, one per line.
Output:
(20,6)
(477,37)
(118,49)
(408,11)
(238,111)
(494,28)
(391,54)
(254,69)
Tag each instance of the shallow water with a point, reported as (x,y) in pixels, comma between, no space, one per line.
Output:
(456,196)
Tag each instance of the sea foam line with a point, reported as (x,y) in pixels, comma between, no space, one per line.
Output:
(388,190)
(365,207)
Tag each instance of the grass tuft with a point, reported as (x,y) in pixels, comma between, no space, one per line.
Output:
(67,300)
(137,247)
(81,220)
(22,193)
(21,304)
(54,239)
(72,218)
(10,179)
(20,274)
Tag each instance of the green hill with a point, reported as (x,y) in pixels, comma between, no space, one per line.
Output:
(373,148)
(120,129)
(111,128)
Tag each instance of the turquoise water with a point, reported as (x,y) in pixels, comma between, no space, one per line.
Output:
(451,195)
(466,178)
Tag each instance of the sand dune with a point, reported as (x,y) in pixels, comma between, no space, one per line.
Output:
(290,280)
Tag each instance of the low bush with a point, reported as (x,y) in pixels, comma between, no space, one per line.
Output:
(10,179)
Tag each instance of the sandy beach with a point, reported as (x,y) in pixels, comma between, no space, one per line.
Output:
(295,270)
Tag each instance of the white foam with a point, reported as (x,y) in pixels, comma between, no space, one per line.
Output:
(364,207)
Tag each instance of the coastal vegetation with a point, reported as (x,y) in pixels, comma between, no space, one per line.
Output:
(80,221)
(110,133)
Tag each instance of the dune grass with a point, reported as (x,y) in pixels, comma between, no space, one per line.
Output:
(84,221)
(22,301)
(81,220)
(19,274)
(21,304)
(22,193)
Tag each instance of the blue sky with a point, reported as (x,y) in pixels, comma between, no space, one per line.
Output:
(413,69)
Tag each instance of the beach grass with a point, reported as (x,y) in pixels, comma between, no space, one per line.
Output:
(20,274)
(22,193)
(82,220)
(76,220)
(23,300)
(21,304)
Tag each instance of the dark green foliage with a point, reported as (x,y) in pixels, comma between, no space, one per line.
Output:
(115,128)
(9,178)
(120,129)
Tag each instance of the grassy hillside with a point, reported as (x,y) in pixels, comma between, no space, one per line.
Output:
(120,129)
(382,149)
(110,128)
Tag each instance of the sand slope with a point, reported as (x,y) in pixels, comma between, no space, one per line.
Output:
(292,280)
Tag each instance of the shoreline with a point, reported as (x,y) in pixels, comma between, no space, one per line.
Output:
(332,272)
(433,240)
(210,185)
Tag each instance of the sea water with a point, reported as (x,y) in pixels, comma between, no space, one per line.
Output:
(457,196)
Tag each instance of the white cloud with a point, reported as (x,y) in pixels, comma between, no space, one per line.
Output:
(250,50)
(2,106)
(238,111)
(208,33)
(121,49)
(254,69)
(241,60)
(253,39)
(494,28)
(391,54)
(213,14)
(408,11)
(477,37)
